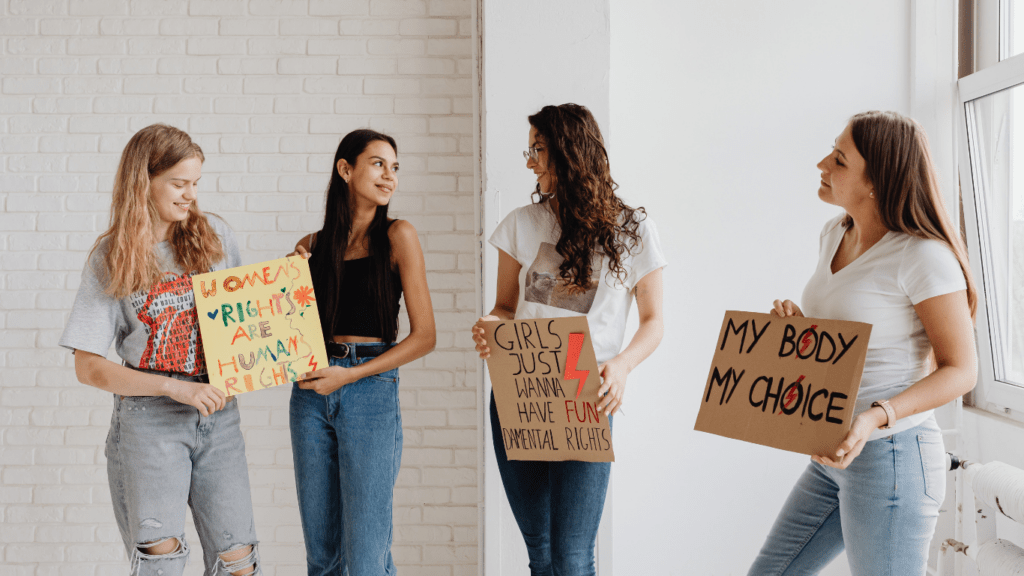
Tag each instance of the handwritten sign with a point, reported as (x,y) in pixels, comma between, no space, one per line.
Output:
(545,380)
(259,324)
(789,383)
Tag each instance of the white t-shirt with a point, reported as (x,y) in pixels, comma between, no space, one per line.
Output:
(529,235)
(881,288)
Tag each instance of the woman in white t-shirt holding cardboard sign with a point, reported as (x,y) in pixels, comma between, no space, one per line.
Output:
(578,250)
(896,261)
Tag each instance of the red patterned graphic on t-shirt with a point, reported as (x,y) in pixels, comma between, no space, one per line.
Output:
(174,343)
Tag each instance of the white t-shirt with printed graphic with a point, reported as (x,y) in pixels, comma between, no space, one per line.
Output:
(881,288)
(529,235)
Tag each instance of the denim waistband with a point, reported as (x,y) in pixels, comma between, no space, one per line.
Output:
(355,350)
(176,375)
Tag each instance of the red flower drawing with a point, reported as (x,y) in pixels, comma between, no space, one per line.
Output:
(304,295)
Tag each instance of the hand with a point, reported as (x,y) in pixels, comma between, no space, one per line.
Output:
(787,308)
(326,380)
(479,336)
(199,395)
(300,251)
(612,390)
(854,442)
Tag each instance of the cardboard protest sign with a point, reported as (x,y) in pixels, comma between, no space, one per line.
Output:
(789,383)
(259,324)
(545,380)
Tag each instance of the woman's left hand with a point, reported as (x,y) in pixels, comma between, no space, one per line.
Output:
(326,380)
(851,446)
(614,373)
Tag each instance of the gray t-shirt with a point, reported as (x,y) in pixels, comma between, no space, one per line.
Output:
(154,329)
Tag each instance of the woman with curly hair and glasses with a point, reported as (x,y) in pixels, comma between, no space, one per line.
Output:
(577,250)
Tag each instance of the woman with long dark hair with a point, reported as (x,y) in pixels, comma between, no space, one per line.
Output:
(174,440)
(346,423)
(577,250)
(894,260)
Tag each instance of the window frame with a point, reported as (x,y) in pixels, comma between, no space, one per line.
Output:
(991,394)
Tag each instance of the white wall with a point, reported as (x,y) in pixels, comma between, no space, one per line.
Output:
(719,113)
(267,88)
(535,52)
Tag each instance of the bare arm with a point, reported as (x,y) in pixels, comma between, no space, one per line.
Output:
(408,256)
(101,373)
(947,321)
(405,245)
(505,301)
(648,292)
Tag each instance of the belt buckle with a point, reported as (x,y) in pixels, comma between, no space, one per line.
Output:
(349,351)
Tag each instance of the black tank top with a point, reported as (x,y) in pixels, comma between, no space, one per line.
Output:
(356,316)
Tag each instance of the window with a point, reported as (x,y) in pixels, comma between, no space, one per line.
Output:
(992,183)
(1011,28)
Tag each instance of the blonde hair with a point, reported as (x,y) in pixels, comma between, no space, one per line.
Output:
(130,263)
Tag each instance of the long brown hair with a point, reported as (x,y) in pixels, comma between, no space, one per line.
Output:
(899,166)
(591,216)
(130,264)
(327,262)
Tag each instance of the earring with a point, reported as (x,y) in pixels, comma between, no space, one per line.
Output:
(872,194)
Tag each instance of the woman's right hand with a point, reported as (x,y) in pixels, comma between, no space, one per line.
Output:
(199,395)
(300,251)
(479,336)
(783,308)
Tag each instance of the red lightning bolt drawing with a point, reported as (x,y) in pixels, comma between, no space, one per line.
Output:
(792,393)
(575,345)
(807,339)
(312,362)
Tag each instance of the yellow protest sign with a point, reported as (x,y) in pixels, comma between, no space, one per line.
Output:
(259,324)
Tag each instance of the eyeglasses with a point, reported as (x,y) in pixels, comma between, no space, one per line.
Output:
(532,152)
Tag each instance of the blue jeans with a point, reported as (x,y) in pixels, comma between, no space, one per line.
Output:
(347,448)
(882,509)
(557,505)
(162,456)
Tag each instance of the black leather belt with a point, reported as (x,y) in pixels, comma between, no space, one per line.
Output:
(356,350)
(204,378)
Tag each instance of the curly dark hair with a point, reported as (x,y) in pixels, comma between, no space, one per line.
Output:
(593,219)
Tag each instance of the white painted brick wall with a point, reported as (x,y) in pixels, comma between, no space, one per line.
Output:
(267,87)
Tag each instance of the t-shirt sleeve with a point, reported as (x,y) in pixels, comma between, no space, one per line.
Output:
(229,243)
(504,236)
(92,325)
(650,257)
(930,269)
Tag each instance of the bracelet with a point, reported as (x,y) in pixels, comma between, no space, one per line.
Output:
(890,414)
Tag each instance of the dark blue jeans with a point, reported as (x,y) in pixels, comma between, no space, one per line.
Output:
(557,505)
(347,448)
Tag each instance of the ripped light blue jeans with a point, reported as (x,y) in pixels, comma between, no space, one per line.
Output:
(163,456)
(882,509)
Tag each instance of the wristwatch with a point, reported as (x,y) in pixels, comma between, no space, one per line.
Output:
(890,414)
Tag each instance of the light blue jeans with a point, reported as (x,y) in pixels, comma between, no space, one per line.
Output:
(162,456)
(347,448)
(882,509)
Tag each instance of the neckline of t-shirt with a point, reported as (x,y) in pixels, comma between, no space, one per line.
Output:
(832,256)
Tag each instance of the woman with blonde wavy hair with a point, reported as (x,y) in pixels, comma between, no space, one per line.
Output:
(578,250)
(174,440)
